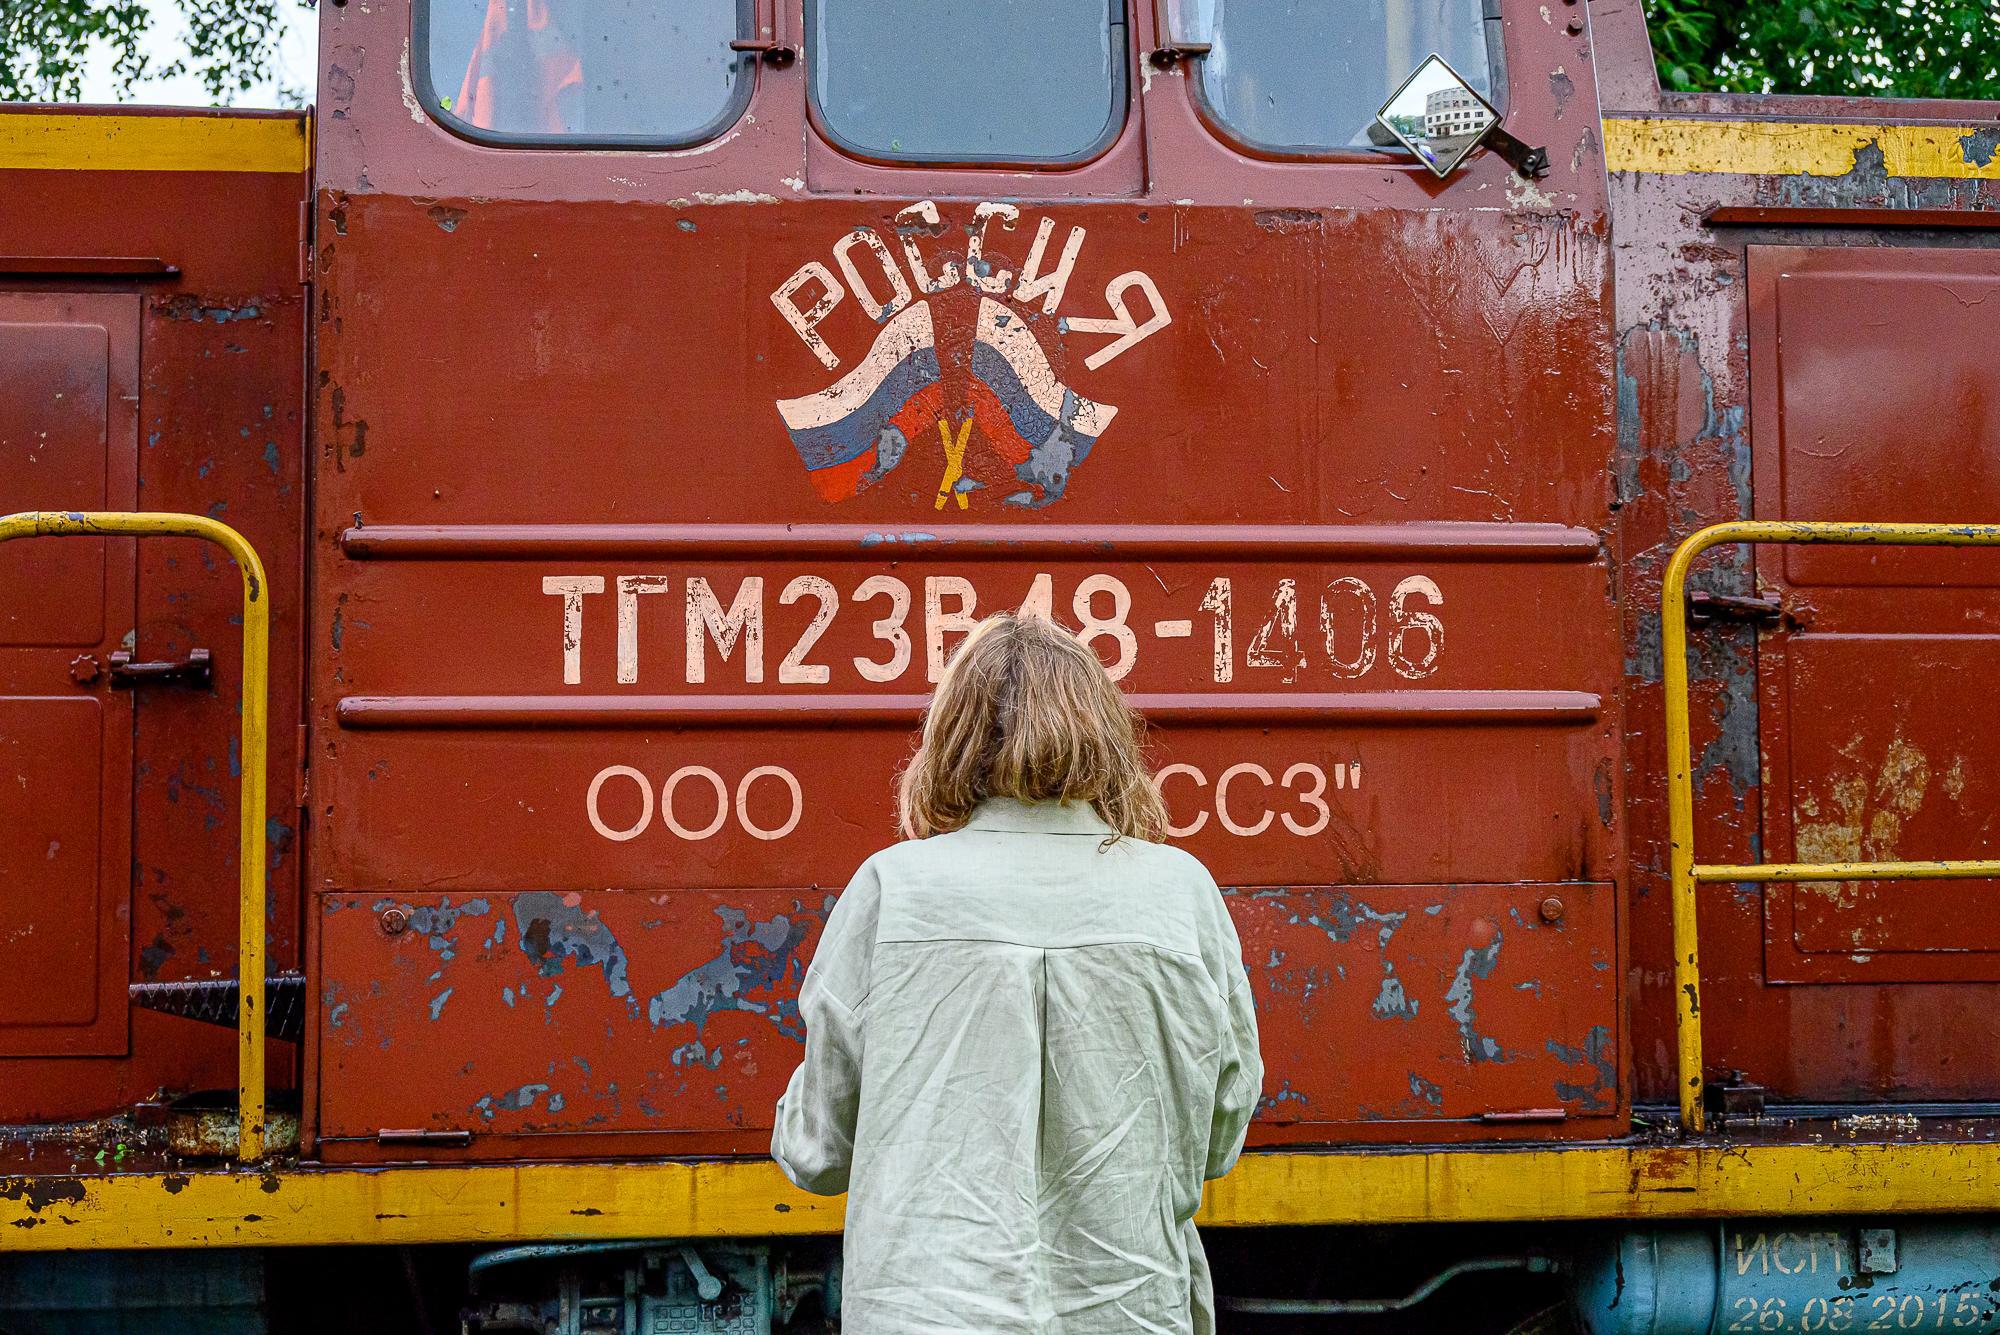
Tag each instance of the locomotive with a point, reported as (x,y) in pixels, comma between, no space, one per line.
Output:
(492,536)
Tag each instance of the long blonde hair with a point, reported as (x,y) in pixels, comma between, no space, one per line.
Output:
(1024,710)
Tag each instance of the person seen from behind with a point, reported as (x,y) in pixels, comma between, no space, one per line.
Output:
(1029,1037)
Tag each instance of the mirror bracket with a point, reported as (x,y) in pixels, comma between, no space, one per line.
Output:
(1530,161)
(1172,54)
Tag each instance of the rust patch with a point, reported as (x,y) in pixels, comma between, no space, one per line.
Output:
(199,310)
(446,217)
(1285,222)
(40,1193)
(1562,88)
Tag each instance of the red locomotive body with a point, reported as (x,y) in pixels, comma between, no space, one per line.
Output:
(655,447)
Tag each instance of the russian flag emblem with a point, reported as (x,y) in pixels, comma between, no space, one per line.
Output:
(860,428)
(848,434)
(1037,423)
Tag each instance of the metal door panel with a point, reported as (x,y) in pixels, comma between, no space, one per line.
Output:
(1889,405)
(1910,777)
(68,439)
(1876,397)
(51,865)
(55,407)
(606,1022)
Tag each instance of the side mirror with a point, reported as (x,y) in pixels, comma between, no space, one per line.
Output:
(1441,118)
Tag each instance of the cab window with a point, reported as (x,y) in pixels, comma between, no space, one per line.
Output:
(655,72)
(1306,76)
(968,80)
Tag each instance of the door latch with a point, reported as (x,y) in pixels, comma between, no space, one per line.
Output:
(194,670)
(1764,609)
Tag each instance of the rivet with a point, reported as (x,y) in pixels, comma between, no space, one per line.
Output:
(1552,909)
(395,921)
(1575,24)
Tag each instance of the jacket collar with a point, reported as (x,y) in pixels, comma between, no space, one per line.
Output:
(1008,815)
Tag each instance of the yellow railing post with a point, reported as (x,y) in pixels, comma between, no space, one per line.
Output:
(256,747)
(1685,874)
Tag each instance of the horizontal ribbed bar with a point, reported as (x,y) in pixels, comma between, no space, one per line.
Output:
(1412,708)
(1846,871)
(990,542)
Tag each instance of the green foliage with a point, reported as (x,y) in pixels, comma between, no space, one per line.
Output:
(1866,48)
(44,45)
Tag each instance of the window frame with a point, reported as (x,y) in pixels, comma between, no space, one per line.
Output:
(1122,35)
(741,91)
(1494,35)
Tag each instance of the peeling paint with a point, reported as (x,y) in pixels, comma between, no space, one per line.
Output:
(1478,962)
(1859,817)
(518,1099)
(192,308)
(554,929)
(1980,146)
(754,956)
(1597,1053)
(1390,1003)
(734,197)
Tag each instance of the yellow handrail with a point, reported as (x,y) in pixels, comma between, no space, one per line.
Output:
(1685,872)
(256,746)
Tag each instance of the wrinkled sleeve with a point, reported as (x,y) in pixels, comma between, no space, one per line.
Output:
(1241,1075)
(813,1135)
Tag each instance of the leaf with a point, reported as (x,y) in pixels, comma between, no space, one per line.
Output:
(1867,48)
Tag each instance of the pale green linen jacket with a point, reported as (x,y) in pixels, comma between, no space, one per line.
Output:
(1027,1046)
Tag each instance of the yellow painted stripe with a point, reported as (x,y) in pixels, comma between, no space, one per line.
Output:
(65,141)
(1672,146)
(553,1202)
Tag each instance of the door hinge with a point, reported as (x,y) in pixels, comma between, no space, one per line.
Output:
(455,1140)
(305,242)
(301,771)
(1504,1116)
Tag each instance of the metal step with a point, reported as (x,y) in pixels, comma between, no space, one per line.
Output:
(213,1001)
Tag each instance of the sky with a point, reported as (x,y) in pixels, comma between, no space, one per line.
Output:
(297,52)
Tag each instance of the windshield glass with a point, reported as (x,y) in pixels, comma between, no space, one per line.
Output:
(659,71)
(968,80)
(1307,75)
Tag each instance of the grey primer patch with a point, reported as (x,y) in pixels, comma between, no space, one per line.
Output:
(436,921)
(553,932)
(890,447)
(1345,916)
(1050,463)
(1425,1090)
(1047,466)
(514,1100)
(1390,1003)
(754,956)
(1478,963)
(1979,146)
(1596,1053)
(1285,1094)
